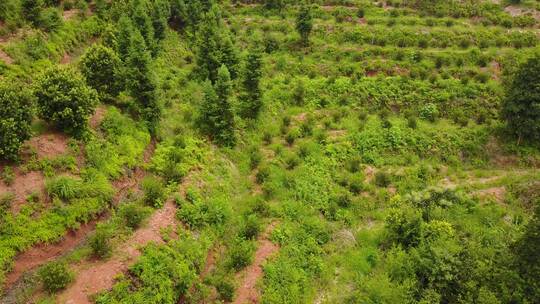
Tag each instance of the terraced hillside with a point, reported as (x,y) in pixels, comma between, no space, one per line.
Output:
(276,151)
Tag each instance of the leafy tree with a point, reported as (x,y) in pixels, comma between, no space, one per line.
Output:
(160,14)
(304,23)
(143,23)
(274,5)
(215,48)
(141,82)
(216,113)
(521,106)
(124,37)
(252,75)
(65,100)
(15,119)
(405,226)
(527,253)
(100,66)
(31,10)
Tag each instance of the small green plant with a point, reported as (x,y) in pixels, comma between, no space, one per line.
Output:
(225,289)
(154,192)
(382,179)
(63,187)
(100,244)
(251,227)
(133,214)
(55,276)
(8,176)
(240,254)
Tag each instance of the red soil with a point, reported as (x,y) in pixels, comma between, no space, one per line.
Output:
(49,144)
(98,116)
(23,185)
(247,292)
(43,253)
(5,58)
(95,276)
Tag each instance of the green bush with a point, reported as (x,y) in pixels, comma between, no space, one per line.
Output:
(63,187)
(16,110)
(154,192)
(55,276)
(240,254)
(133,214)
(65,100)
(100,244)
(251,227)
(382,179)
(8,176)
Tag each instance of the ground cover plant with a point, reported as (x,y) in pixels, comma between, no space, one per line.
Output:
(271,151)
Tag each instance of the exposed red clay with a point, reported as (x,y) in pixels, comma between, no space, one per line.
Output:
(43,253)
(247,292)
(49,144)
(95,276)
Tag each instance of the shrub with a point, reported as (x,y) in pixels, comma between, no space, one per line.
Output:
(154,192)
(133,214)
(50,19)
(382,179)
(55,276)
(100,244)
(65,100)
(429,112)
(63,187)
(225,289)
(356,185)
(8,176)
(100,67)
(240,254)
(251,227)
(15,119)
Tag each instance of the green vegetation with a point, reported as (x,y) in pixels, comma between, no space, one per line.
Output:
(355,151)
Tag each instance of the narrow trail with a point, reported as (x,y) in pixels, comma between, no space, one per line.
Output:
(95,276)
(247,291)
(43,253)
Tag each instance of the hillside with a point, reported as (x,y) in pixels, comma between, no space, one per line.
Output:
(272,151)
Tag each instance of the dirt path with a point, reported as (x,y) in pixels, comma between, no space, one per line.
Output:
(43,253)
(97,276)
(247,291)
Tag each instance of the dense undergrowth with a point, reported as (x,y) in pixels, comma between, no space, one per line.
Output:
(367,136)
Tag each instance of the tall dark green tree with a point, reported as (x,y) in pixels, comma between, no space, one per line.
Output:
(143,23)
(521,105)
(124,36)
(160,14)
(141,82)
(217,118)
(304,23)
(527,253)
(31,10)
(274,4)
(251,99)
(215,47)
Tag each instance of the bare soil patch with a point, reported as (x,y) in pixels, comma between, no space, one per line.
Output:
(43,253)
(495,193)
(69,14)
(5,57)
(66,59)
(247,291)
(95,276)
(23,185)
(49,144)
(98,116)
